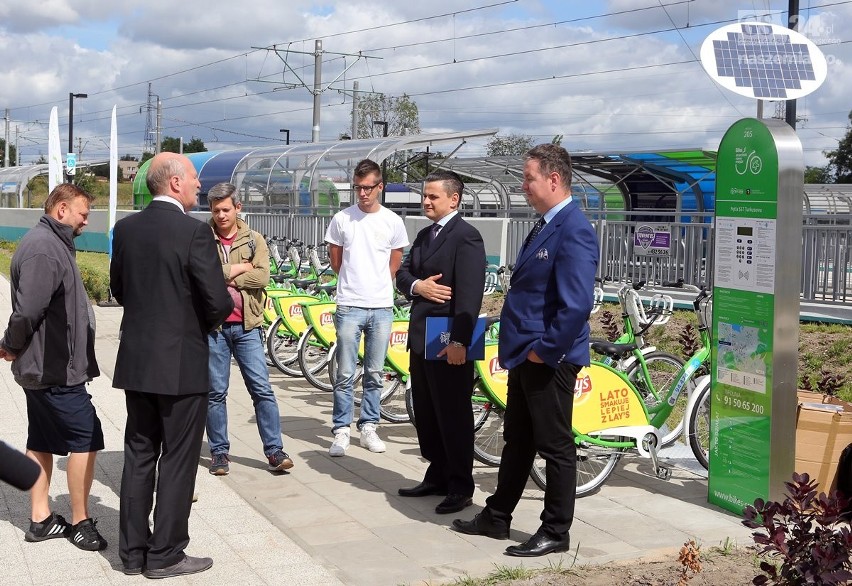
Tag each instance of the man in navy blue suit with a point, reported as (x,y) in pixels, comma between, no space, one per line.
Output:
(544,342)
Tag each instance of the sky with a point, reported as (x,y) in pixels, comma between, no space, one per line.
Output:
(617,75)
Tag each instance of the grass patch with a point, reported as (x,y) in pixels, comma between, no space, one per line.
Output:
(94,269)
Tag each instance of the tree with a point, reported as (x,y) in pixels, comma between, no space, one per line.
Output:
(817,174)
(400,113)
(402,117)
(507,146)
(13,157)
(129,157)
(145,157)
(172,144)
(840,159)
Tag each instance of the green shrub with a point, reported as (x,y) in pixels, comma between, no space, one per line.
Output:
(96,282)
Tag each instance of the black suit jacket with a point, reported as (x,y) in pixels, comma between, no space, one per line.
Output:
(165,271)
(458,254)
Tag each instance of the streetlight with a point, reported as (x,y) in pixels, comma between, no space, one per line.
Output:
(71,97)
(384,126)
(287,135)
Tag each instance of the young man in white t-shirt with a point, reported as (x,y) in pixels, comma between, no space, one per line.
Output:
(365,243)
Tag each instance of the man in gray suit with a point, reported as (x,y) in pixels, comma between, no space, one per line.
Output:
(166,273)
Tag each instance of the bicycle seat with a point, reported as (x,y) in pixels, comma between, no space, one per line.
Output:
(490,320)
(279,278)
(303,283)
(614,350)
(327,287)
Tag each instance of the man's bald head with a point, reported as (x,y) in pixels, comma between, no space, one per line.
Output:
(174,175)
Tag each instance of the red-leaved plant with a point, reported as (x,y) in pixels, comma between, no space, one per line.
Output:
(804,539)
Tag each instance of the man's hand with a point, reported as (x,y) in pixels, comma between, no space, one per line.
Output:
(6,355)
(455,354)
(533,357)
(430,289)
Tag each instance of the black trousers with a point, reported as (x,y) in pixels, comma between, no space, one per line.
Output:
(442,409)
(539,407)
(162,441)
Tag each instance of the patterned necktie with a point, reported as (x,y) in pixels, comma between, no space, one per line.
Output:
(433,233)
(536,229)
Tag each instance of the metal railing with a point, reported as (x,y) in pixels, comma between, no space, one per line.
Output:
(826,256)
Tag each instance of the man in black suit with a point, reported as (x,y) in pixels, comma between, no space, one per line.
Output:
(444,275)
(166,273)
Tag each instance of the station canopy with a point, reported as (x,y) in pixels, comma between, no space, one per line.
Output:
(307,177)
(673,180)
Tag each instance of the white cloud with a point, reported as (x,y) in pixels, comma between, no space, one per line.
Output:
(616,94)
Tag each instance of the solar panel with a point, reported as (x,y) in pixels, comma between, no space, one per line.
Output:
(763,61)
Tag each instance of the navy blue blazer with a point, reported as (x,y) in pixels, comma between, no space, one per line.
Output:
(552,294)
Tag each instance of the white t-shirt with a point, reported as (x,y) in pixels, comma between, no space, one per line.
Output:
(367,241)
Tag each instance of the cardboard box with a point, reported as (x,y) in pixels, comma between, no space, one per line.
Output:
(823,430)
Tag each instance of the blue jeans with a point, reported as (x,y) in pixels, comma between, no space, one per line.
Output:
(350,323)
(247,349)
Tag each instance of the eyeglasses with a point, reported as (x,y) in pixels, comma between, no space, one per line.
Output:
(367,189)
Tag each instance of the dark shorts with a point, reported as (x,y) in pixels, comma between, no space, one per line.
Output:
(63,420)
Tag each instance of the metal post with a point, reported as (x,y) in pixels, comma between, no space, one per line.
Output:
(315,134)
(158,146)
(6,148)
(792,23)
(384,125)
(71,97)
(354,110)
(180,145)
(286,132)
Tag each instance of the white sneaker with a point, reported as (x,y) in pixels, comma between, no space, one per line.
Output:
(340,443)
(370,439)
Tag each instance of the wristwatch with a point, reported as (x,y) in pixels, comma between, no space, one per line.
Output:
(457,344)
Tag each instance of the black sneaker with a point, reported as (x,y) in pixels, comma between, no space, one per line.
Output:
(219,464)
(279,460)
(52,527)
(85,536)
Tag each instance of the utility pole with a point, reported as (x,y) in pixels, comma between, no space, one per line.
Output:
(792,23)
(17,148)
(6,148)
(318,88)
(180,145)
(159,125)
(354,110)
(315,134)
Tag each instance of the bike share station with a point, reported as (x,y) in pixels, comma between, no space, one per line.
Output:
(757,265)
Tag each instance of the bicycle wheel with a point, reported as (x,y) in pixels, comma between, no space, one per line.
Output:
(313,360)
(662,369)
(488,427)
(393,408)
(281,349)
(594,465)
(699,428)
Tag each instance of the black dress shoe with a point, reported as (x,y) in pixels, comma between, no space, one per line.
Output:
(453,504)
(135,571)
(423,489)
(188,565)
(485,524)
(539,544)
